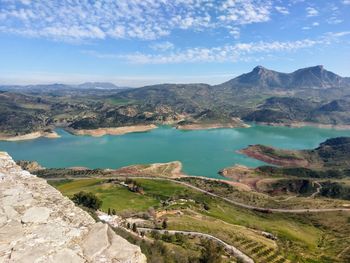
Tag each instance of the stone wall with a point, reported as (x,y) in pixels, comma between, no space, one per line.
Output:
(38,224)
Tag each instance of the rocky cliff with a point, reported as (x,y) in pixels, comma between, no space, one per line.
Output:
(38,224)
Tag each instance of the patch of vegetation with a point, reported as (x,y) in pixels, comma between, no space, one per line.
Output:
(282,154)
(302,172)
(335,190)
(88,200)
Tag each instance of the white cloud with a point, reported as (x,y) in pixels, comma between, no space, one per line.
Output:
(226,53)
(334,21)
(26,2)
(314,24)
(346,2)
(147,19)
(162,46)
(311,11)
(235,32)
(282,10)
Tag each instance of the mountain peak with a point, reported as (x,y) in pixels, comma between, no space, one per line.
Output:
(259,69)
(318,68)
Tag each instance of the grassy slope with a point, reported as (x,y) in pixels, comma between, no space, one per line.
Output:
(113,196)
(297,233)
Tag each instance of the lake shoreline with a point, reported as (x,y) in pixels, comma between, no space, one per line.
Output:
(30,136)
(195,126)
(306,124)
(99,132)
(234,123)
(111,131)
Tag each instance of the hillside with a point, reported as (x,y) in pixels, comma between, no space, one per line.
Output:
(312,96)
(323,171)
(332,154)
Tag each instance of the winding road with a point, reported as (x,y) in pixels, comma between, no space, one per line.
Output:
(229,248)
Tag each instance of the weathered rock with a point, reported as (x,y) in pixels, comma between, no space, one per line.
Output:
(36,215)
(38,224)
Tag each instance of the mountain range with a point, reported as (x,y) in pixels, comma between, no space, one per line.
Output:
(309,95)
(307,78)
(260,77)
(59,86)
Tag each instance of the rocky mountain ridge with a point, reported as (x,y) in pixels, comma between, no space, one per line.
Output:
(316,77)
(38,224)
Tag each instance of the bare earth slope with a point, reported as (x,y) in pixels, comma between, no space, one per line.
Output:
(334,153)
(38,224)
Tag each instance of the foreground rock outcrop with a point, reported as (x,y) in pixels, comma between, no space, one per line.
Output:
(38,224)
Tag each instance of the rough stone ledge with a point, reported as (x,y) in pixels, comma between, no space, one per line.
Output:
(38,224)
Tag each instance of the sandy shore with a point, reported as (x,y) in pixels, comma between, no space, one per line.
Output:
(207,126)
(113,131)
(30,136)
(305,124)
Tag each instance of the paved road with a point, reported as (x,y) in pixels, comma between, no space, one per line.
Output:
(251,207)
(235,251)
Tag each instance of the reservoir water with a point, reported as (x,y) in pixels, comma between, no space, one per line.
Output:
(202,152)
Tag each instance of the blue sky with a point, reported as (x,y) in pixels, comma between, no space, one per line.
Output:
(141,42)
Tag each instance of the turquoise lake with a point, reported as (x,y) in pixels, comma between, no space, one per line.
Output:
(202,152)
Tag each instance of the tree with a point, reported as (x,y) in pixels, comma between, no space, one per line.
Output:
(109,211)
(87,199)
(211,252)
(164,224)
(134,227)
(168,237)
(128,225)
(155,235)
(114,212)
(180,238)
(206,206)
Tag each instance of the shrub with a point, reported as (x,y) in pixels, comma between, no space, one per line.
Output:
(164,224)
(134,227)
(87,199)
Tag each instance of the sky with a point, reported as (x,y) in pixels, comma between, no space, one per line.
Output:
(143,42)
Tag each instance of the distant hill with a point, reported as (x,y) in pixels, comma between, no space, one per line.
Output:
(307,78)
(99,85)
(59,86)
(294,110)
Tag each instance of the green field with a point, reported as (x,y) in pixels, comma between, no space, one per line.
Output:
(113,196)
